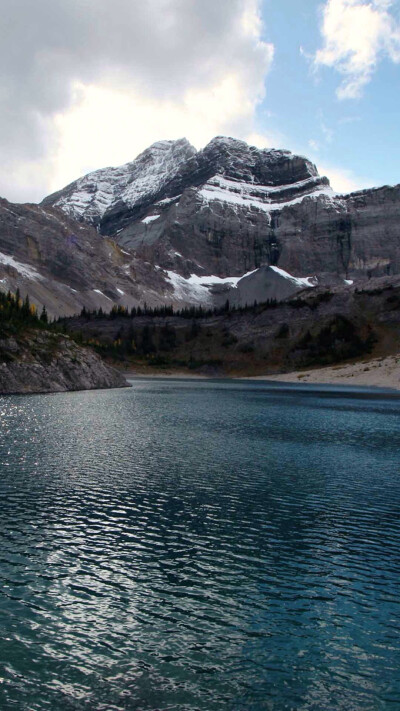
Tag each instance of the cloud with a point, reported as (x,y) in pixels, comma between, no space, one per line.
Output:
(356,35)
(94,81)
(343,180)
(272,139)
(109,127)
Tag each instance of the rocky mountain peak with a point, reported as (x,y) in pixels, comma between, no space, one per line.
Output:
(235,159)
(160,151)
(88,198)
(186,225)
(130,200)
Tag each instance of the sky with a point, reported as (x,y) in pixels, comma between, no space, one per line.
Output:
(89,83)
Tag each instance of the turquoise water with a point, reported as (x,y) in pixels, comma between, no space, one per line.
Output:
(200,545)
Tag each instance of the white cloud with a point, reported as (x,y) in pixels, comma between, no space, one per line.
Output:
(95,83)
(273,139)
(109,127)
(356,35)
(342,180)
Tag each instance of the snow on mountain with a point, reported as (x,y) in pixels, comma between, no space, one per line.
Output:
(205,290)
(89,198)
(226,169)
(150,218)
(303,282)
(262,197)
(24,270)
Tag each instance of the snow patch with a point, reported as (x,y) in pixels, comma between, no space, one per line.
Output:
(214,280)
(168,201)
(150,218)
(120,291)
(197,288)
(101,293)
(299,281)
(23,269)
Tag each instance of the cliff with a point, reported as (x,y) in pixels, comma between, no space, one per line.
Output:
(36,361)
(178,226)
(230,209)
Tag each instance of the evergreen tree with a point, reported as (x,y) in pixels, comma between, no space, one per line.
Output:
(26,308)
(43,315)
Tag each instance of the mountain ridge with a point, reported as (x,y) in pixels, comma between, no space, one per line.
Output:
(166,168)
(179,226)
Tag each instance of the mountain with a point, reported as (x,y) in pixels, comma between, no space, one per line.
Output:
(66,265)
(232,208)
(114,198)
(90,198)
(180,226)
(156,205)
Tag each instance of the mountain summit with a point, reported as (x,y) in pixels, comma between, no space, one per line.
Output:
(111,197)
(89,198)
(179,226)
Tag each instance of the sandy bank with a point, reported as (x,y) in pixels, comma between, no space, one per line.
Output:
(380,372)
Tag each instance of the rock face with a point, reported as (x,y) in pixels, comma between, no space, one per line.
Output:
(113,198)
(66,265)
(135,184)
(44,362)
(182,227)
(232,208)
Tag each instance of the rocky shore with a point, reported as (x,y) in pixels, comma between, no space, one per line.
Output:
(45,362)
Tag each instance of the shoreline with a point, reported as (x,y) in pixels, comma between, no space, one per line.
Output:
(378,373)
(178,375)
(383,372)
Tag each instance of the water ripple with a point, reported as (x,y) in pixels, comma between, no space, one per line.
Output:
(199,546)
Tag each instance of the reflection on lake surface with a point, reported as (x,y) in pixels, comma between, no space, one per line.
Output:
(203,545)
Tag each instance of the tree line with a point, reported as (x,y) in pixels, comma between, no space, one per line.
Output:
(19,312)
(187,312)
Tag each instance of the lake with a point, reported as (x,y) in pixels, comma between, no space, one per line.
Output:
(205,545)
